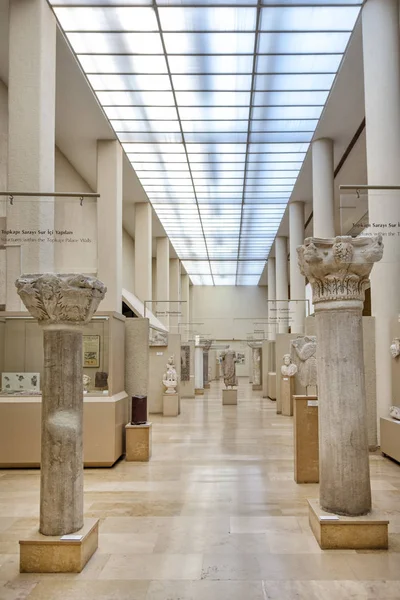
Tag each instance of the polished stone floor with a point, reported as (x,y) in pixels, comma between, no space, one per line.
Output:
(215,515)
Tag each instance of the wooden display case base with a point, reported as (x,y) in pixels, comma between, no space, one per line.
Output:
(138,442)
(199,392)
(53,554)
(229,397)
(272,386)
(335,532)
(305,437)
(170,405)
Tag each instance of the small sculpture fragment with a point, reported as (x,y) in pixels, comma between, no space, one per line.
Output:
(395,348)
(228,359)
(394,412)
(288,369)
(86,382)
(304,357)
(170,377)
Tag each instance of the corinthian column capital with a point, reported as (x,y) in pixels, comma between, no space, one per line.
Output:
(339,268)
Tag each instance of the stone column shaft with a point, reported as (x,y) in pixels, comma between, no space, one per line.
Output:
(185,297)
(143,252)
(297,283)
(282,284)
(162,280)
(175,294)
(323,188)
(271,299)
(338,270)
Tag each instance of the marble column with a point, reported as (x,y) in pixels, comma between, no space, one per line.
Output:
(162,280)
(338,270)
(143,252)
(282,284)
(381,57)
(185,297)
(297,283)
(31,135)
(109,221)
(271,299)
(175,307)
(198,368)
(62,304)
(323,188)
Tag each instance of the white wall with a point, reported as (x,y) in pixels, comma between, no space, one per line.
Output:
(229,314)
(3,136)
(128,262)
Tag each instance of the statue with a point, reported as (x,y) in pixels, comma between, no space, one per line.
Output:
(288,369)
(228,359)
(395,348)
(394,412)
(86,382)
(304,357)
(170,377)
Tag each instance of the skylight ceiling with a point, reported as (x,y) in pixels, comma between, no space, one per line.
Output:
(215,104)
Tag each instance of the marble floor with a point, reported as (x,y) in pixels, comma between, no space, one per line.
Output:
(215,515)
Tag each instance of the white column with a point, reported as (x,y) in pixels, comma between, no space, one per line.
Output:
(174,294)
(143,252)
(381,49)
(323,192)
(297,281)
(31,134)
(3,185)
(185,297)
(162,280)
(281,274)
(109,221)
(198,368)
(271,299)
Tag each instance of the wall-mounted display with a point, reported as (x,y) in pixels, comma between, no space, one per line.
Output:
(240,358)
(185,363)
(157,337)
(20,382)
(91,351)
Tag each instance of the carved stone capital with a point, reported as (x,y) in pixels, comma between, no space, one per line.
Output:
(60,299)
(339,268)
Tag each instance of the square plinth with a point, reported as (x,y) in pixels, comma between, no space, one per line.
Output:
(199,392)
(287,389)
(305,438)
(334,532)
(272,386)
(229,397)
(170,405)
(59,554)
(256,387)
(138,442)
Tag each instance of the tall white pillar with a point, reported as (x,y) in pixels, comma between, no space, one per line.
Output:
(162,280)
(175,306)
(198,370)
(185,297)
(282,284)
(271,299)
(31,135)
(323,191)
(109,221)
(381,49)
(297,281)
(143,252)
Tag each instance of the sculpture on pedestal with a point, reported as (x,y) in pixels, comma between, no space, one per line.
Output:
(228,359)
(395,348)
(338,270)
(288,369)
(304,349)
(62,304)
(170,377)
(394,412)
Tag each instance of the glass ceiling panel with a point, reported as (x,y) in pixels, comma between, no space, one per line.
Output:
(218,172)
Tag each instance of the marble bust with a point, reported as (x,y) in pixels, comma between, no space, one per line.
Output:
(288,369)
(394,412)
(170,377)
(395,348)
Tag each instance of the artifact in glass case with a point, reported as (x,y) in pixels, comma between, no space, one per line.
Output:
(139,410)
(229,368)
(170,377)
(101,380)
(91,350)
(20,383)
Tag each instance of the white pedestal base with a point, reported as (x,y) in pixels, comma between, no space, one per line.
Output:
(229,396)
(170,405)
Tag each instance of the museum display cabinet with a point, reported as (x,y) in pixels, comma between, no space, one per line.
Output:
(105,402)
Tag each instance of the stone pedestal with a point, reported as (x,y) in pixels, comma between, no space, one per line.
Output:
(138,442)
(229,397)
(305,437)
(272,386)
(338,270)
(287,391)
(61,303)
(170,405)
